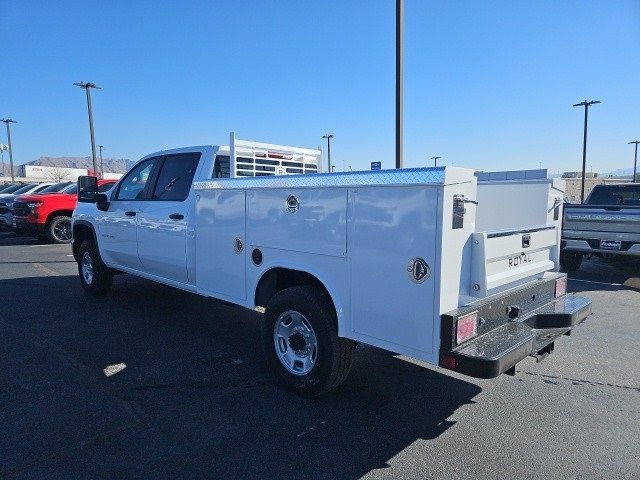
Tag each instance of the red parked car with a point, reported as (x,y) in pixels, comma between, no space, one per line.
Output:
(48,215)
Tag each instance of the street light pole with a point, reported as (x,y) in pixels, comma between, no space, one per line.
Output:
(101,168)
(3,147)
(635,159)
(328,136)
(87,86)
(399,79)
(435,160)
(7,121)
(586,104)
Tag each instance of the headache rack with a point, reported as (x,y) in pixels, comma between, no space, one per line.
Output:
(255,159)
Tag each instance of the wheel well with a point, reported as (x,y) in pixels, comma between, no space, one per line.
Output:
(277,279)
(81,233)
(58,213)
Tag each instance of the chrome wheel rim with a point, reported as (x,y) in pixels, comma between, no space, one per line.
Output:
(62,230)
(86,265)
(295,343)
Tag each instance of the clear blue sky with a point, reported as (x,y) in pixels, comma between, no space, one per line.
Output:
(487,84)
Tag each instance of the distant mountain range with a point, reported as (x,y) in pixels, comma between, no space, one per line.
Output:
(111,165)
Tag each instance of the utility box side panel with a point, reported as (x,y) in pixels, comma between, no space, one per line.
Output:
(299,219)
(221,245)
(390,228)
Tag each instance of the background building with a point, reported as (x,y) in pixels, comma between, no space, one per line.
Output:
(61,169)
(573,181)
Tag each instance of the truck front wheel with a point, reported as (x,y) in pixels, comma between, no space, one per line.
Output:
(95,276)
(301,343)
(58,229)
(570,261)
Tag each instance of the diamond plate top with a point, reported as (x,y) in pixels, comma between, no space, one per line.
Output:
(404,176)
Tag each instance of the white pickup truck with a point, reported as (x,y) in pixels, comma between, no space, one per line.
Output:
(400,259)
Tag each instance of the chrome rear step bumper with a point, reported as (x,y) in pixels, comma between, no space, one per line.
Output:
(499,348)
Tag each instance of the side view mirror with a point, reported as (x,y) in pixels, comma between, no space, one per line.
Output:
(87,189)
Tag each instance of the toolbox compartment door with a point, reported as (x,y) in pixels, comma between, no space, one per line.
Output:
(392,226)
(299,220)
(221,244)
(505,259)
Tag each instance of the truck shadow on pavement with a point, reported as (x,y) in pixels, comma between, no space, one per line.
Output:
(597,274)
(9,238)
(190,398)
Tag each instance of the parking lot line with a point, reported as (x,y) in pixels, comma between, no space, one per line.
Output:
(46,270)
(595,282)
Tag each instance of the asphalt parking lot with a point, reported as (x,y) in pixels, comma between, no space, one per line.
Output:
(151,382)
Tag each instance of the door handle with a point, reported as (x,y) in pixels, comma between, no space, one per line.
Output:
(176,216)
(130,214)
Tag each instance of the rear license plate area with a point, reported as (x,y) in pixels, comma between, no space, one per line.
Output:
(610,244)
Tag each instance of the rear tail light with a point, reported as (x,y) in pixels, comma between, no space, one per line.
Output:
(467,327)
(561,286)
(449,361)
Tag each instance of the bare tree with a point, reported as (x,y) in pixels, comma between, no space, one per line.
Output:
(57,174)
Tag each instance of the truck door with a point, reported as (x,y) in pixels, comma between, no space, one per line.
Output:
(118,224)
(162,221)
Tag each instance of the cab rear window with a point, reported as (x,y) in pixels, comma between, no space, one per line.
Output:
(615,195)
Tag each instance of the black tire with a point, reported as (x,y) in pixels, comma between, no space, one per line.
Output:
(99,282)
(58,229)
(570,261)
(334,354)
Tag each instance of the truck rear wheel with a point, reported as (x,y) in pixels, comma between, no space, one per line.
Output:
(301,342)
(95,276)
(570,261)
(58,229)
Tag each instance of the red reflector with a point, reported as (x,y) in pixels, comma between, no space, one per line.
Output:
(467,327)
(561,286)
(449,362)
(280,155)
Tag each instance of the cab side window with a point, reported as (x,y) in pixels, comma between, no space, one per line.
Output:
(175,177)
(221,167)
(133,185)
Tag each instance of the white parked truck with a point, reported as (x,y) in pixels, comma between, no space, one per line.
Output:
(400,259)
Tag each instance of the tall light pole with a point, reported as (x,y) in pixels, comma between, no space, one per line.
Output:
(328,136)
(7,121)
(399,79)
(586,104)
(87,86)
(3,147)
(435,160)
(635,159)
(101,169)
